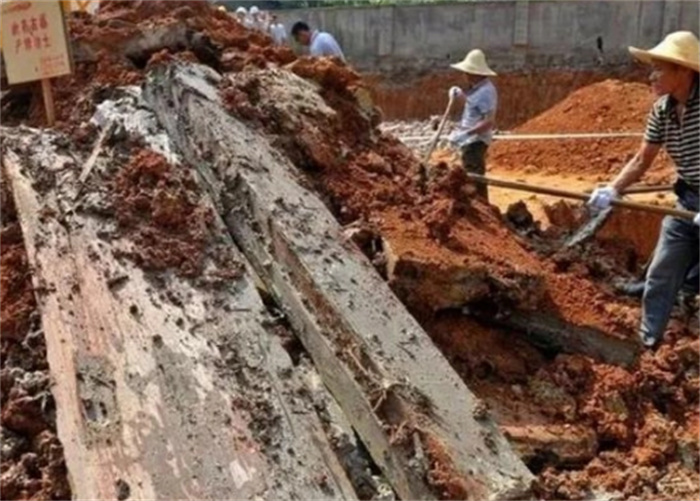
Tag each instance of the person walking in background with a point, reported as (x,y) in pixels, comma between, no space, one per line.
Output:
(474,132)
(319,43)
(277,31)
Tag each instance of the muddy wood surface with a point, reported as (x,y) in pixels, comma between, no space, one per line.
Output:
(166,387)
(394,376)
(585,428)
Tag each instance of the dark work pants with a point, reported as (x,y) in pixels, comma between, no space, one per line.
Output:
(675,253)
(474,162)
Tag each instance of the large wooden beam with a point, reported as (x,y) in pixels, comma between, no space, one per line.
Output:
(413,412)
(166,387)
(555,334)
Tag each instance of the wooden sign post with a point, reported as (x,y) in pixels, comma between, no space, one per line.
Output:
(35,45)
(47,92)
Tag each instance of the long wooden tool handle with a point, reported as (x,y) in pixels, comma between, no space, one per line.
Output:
(642,188)
(436,138)
(633,190)
(578,196)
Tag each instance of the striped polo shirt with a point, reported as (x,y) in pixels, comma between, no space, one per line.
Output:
(682,140)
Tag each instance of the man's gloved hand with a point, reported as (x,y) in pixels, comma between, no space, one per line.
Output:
(696,219)
(454,92)
(601,198)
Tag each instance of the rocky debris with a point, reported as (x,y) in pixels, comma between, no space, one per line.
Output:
(588,429)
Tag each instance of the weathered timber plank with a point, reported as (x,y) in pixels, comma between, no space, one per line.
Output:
(563,444)
(374,357)
(165,388)
(555,334)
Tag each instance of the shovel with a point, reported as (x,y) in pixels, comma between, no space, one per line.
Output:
(438,133)
(588,230)
(598,219)
(423,167)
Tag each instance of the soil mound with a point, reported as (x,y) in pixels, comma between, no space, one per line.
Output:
(604,107)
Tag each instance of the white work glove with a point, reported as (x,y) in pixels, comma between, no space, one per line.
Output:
(696,219)
(601,198)
(454,92)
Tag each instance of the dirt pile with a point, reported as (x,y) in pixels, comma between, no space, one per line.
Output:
(115,47)
(625,432)
(646,421)
(32,465)
(157,204)
(608,106)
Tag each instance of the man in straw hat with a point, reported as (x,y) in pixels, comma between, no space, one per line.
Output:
(474,133)
(674,123)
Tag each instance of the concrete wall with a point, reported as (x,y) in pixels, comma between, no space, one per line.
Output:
(514,33)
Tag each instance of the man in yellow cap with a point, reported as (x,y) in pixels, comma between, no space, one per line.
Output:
(674,123)
(474,133)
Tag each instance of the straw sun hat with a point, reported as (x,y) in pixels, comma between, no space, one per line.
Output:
(475,64)
(681,48)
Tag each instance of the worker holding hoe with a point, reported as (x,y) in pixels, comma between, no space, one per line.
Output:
(474,133)
(674,123)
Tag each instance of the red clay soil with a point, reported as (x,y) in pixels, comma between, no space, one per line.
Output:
(520,95)
(644,421)
(609,106)
(32,465)
(107,36)
(374,179)
(157,204)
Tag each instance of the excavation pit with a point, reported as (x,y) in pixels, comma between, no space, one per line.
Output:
(584,415)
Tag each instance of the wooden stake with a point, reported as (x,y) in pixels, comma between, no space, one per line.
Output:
(47,92)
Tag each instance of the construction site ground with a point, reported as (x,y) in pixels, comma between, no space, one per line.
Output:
(224,275)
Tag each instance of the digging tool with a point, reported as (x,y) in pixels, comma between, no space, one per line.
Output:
(438,133)
(590,228)
(596,222)
(666,211)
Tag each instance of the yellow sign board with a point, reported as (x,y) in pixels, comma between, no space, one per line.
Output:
(35,46)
